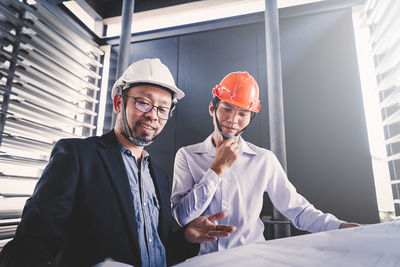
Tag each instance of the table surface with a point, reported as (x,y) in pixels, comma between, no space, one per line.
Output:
(370,245)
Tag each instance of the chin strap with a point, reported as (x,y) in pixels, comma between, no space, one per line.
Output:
(128,133)
(224,135)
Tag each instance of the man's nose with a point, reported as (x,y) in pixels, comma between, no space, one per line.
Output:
(152,114)
(233,117)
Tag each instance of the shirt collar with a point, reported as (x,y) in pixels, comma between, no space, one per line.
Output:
(208,147)
(124,150)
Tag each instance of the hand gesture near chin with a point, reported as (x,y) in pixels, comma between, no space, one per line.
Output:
(226,153)
(203,229)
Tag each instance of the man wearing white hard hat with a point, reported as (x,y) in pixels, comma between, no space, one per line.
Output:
(104,198)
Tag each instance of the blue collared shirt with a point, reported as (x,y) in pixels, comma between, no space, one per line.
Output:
(197,190)
(146,208)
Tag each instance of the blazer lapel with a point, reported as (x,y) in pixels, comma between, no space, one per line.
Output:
(110,153)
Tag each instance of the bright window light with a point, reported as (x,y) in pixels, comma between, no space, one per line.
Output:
(373,116)
(78,11)
(103,91)
(178,15)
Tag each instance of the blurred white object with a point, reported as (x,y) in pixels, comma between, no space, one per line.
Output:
(111,263)
(370,245)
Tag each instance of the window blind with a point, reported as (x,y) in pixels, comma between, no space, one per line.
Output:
(384,23)
(49,76)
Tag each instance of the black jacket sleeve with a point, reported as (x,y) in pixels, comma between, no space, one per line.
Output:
(178,249)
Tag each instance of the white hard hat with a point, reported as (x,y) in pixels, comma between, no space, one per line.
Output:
(151,71)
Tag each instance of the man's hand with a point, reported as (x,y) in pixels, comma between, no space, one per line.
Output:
(348,225)
(202,229)
(226,153)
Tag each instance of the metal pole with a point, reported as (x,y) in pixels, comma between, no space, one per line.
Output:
(124,44)
(275,100)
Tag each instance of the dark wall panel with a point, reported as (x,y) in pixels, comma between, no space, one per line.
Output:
(327,145)
(204,59)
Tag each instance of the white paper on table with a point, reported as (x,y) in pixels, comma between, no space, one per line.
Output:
(111,263)
(370,245)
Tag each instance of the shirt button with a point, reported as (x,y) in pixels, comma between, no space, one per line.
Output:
(150,240)
(144,204)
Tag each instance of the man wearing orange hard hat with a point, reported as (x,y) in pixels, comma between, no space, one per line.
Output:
(225,172)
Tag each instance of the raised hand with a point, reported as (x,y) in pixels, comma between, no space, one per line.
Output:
(226,153)
(202,228)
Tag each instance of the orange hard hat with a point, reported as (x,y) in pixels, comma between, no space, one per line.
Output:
(239,89)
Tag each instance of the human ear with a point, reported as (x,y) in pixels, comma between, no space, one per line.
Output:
(211,109)
(117,103)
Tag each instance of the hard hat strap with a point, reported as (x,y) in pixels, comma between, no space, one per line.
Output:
(128,133)
(224,135)
(173,107)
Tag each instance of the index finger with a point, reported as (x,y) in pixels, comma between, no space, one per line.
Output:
(225,228)
(217,216)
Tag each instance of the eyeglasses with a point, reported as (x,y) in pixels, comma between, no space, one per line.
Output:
(146,106)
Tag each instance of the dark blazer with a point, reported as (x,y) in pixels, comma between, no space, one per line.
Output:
(81,211)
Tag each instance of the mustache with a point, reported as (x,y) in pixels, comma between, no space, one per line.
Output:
(147,122)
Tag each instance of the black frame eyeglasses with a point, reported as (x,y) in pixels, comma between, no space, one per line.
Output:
(144,105)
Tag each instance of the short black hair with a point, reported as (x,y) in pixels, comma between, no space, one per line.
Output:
(216,100)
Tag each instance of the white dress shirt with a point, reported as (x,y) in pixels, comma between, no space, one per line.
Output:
(197,190)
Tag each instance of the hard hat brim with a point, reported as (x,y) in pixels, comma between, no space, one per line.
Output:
(254,107)
(179,94)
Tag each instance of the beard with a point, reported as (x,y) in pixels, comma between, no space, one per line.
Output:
(139,136)
(142,136)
